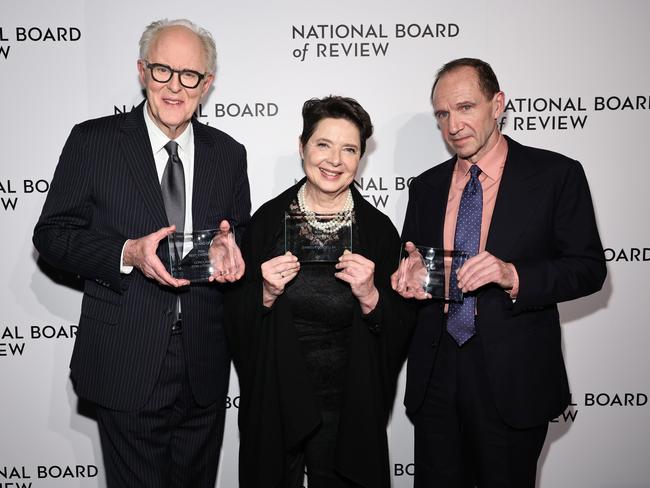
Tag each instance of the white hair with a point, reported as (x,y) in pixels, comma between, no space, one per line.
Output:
(155,28)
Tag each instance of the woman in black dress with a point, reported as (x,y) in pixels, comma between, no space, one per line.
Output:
(318,346)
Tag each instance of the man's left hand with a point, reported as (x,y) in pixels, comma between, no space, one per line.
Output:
(225,256)
(485,268)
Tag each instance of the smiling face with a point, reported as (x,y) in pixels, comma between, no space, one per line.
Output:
(331,157)
(466,117)
(170,104)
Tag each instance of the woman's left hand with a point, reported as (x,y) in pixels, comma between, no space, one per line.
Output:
(359,272)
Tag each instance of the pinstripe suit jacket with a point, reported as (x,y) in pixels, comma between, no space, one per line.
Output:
(106,190)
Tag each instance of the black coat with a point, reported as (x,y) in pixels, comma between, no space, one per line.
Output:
(278,408)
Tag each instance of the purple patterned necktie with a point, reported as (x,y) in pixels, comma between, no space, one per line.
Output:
(460,321)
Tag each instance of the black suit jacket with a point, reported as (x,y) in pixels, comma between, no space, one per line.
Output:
(544,224)
(106,190)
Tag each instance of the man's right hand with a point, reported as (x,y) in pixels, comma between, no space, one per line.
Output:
(141,253)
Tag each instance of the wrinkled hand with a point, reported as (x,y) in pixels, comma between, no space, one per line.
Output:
(225,256)
(141,253)
(359,273)
(407,280)
(276,273)
(485,268)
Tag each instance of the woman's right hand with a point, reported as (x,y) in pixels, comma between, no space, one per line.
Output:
(276,273)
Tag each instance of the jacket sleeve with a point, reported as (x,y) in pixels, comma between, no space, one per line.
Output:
(577,267)
(64,235)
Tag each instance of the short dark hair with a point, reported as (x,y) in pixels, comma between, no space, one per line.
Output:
(487,80)
(335,107)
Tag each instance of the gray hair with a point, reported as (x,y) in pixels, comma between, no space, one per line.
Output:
(154,29)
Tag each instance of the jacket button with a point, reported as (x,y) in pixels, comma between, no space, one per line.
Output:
(168,311)
(434,343)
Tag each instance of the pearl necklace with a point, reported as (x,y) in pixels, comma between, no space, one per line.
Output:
(330,226)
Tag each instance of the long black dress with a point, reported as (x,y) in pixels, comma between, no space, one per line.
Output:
(281,399)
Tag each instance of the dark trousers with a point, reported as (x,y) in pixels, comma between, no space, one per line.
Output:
(460,440)
(171,442)
(316,455)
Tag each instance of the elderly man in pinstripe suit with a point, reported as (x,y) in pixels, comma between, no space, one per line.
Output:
(159,381)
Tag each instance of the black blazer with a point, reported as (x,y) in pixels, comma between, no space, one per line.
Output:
(544,224)
(106,190)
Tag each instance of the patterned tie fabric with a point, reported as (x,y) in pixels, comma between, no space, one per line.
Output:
(460,321)
(173,187)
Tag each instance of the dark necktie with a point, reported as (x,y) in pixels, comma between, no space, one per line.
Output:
(173,187)
(173,191)
(460,321)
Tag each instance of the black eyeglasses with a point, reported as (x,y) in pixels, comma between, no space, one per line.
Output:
(163,73)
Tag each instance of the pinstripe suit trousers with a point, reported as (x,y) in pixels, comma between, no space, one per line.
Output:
(171,442)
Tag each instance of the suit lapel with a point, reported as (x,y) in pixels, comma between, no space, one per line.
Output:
(139,160)
(205,169)
(514,203)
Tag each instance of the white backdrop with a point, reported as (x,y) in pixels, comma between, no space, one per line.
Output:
(576,76)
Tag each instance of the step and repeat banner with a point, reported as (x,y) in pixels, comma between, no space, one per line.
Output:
(576,79)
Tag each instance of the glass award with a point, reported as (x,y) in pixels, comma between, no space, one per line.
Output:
(315,237)
(194,256)
(428,269)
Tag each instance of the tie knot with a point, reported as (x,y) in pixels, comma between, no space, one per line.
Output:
(475,171)
(172,149)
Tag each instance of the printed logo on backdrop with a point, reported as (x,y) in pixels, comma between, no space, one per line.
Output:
(627,255)
(403,469)
(12,190)
(320,41)
(15,340)
(12,37)
(377,190)
(564,113)
(25,476)
(586,401)
(590,400)
(233,110)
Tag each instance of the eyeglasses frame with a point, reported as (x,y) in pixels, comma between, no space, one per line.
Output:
(152,66)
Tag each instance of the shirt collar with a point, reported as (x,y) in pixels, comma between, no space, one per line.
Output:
(492,163)
(159,139)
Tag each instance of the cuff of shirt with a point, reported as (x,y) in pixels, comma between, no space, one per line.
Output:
(123,268)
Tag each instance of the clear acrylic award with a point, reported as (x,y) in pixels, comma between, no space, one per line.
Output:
(195,256)
(428,269)
(316,237)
